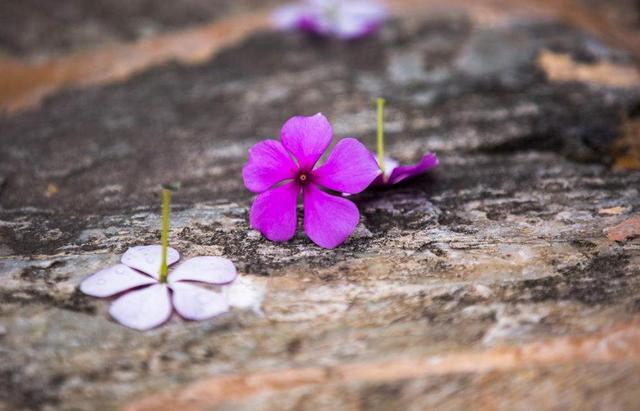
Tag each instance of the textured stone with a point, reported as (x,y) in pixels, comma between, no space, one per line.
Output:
(35,29)
(627,229)
(499,254)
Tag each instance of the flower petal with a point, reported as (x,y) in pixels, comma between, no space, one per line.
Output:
(273,212)
(269,163)
(213,270)
(358,18)
(148,258)
(350,168)
(328,220)
(143,309)
(197,303)
(344,19)
(389,165)
(114,280)
(400,173)
(288,16)
(307,138)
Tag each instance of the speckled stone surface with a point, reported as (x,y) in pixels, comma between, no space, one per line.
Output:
(502,246)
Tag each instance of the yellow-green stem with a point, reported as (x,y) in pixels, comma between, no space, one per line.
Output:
(381,133)
(166,201)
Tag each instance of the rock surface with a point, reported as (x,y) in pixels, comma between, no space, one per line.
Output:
(36,30)
(488,284)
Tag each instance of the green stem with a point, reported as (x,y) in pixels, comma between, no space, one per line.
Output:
(166,201)
(381,133)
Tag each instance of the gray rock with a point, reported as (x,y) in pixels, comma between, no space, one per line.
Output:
(501,246)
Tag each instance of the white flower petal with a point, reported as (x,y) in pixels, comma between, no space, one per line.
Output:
(114,280)
(346,19)
(148,258)
(213,270)
(365,9)
(389,165)
(143,309)
(197,303)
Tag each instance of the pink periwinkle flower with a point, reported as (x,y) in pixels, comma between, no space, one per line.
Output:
(344,19)
(279,171)
(148,302)
(394,173)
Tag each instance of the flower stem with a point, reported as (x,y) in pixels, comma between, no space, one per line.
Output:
(381,133)
(166,201)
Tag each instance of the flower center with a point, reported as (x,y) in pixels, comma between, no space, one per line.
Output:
(303,177)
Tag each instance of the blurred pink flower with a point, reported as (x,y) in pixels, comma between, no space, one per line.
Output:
(278,178)
(149,303)
(344,19)
(394,173)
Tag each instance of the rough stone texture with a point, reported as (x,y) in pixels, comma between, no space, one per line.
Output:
(502,246)
(36,29)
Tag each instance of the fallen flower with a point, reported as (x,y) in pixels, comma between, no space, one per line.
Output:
(149,301)
(344,19)
(278,179)
(153,291)
(395,173)
(392,171)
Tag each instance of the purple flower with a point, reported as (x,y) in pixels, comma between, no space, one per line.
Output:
(344,19)
(149,302)
(394,173)
(278,178)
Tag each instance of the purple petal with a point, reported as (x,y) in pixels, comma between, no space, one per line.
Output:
(213,270)
(328,220)
(307,138)
(357,20)
(350,168)
(273,212)
(143,309)
(346,19)
(114,280)
(295,17)
(269,163)
(401,173)
(148,258)
(359,31)
(309,24)
(197,303)
(289,16)
(389,165)
(351,28)
(365,9)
